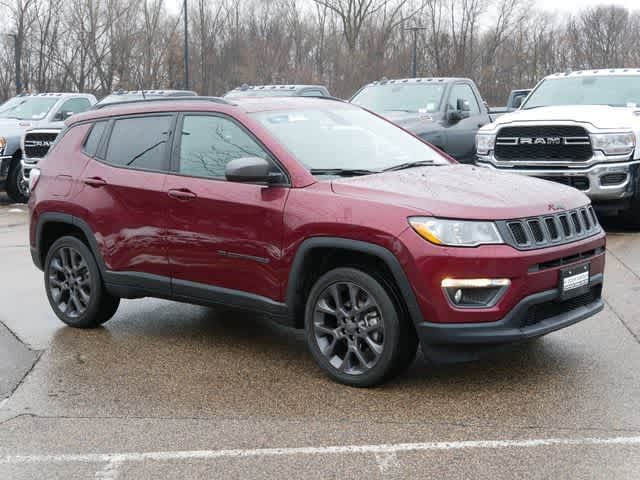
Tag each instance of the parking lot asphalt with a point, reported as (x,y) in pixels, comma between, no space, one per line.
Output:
(167,390)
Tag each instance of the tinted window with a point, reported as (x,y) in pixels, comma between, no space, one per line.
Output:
(140,142)
(208,143)
(93,140)
(401,97)
(464,92)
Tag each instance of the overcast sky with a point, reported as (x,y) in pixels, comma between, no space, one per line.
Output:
(572,5)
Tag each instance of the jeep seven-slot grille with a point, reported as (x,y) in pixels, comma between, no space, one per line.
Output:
(553,142)
(37,144)
(552,229)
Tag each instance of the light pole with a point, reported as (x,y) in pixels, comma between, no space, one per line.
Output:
(186,47)
(415,30)
(17,53)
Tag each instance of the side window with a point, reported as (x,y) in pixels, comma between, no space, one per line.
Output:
(92,142)
(140,142)
(209,142)
(71,107)
(312,93)
(464,92)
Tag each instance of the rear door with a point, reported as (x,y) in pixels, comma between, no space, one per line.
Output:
(123,193)
(461,135)
(222,235)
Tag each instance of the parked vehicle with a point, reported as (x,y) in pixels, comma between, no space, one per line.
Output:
(278,91)
(580,129)
(26,111)
(317,214)
(447,112)
(131,95)
(516,97)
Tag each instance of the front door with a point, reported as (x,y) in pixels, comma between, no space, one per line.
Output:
(461,135)
(222,235)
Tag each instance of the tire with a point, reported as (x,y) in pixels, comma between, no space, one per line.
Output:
(74,285)
(632,215)
(17,188)
(360,347)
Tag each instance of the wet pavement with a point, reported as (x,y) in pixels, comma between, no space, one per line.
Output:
(167,390)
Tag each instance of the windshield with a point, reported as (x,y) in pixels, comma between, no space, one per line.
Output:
(345,138)
(261,93)
(612,90)
(27,108)
(410,97)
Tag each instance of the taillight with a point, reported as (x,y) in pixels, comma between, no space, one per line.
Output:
(34,176)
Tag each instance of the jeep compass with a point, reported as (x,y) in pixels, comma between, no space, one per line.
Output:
(317,214)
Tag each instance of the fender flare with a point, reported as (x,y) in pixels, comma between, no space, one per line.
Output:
(57,217)
(296,272)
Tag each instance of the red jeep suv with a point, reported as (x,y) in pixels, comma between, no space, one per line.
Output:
(317,214)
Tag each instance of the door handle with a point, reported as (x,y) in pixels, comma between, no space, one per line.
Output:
(95,182)
(183,194)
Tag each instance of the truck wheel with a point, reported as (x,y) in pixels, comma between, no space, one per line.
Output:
(74,285)
(354,329)
(17,188)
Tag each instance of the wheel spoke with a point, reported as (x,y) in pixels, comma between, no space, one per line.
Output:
(353,295)
(360,357)
(323,329)
(345,362)
(83,297)
(335,294)
(323,306)
(56,265)
(376,348)
(329,350)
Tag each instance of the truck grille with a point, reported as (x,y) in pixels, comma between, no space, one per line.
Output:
(562,142)
(37,144)
(547,230)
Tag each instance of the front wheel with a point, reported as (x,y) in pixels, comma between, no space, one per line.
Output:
(354,329)
(17,188)
(74,285)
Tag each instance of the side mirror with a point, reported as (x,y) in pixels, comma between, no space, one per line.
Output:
(463,105)
(62,116)
(251,170)
(517,102)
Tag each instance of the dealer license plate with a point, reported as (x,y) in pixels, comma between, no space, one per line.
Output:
(574,281)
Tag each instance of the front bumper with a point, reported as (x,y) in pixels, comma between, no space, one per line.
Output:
(595,189)
(519,324)
(27,165)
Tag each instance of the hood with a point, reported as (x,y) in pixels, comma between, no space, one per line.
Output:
(10,127)
(463,191)
(599,116)
(411,120)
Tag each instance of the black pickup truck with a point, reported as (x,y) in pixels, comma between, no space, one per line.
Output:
(446,112)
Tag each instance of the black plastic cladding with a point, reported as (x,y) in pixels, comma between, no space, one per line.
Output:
(548,230)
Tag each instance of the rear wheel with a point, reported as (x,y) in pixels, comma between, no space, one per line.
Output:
(74,285)
(17,188)
(354,329)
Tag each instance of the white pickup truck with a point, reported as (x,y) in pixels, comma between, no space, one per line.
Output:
(578,128)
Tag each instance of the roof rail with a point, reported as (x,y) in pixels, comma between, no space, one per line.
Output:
(219,100)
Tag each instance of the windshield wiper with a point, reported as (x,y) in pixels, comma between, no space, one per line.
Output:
(403,166)
(342,172)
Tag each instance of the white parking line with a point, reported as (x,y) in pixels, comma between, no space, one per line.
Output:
(116,458)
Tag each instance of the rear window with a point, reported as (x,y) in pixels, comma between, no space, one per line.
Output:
(140,142)
(92,142)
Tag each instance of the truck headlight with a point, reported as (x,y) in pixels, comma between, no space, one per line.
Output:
(3,144)
(614,143)
(484,143)
(456,233)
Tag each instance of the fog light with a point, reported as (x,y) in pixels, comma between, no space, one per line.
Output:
(475,292)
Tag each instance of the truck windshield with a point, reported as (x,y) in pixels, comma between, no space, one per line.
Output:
(612,90)
(404,97)
(345,138)
(27,108)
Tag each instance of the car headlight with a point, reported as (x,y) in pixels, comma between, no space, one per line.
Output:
(456,233)
(614,143)
(484,143)
(3,144)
